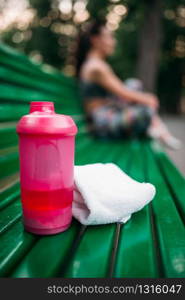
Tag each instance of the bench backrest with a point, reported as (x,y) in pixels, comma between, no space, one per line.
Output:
(22,81)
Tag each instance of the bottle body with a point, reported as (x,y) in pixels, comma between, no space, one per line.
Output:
(46,179)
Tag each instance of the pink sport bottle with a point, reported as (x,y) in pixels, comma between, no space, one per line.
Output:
(46,148)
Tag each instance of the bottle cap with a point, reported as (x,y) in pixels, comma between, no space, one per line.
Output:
(42,119)
(41,106)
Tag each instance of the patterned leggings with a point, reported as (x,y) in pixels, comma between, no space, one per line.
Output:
(111,120)
(118,118)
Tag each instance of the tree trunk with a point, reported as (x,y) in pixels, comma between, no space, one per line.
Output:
(150,44)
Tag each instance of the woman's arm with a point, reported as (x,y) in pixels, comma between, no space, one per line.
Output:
(104,76)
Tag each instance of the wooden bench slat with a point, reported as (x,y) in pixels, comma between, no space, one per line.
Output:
(169,226)
(48,255)
(8,137)
(9,164)
(96,245)
(8,186)
(23,64)
(46,86)
(11,92)
(41,72)
(16,243)
(10,112)
(16,64)
(136,236)
(174,179)
(91,258)
(10,214)
(11,194)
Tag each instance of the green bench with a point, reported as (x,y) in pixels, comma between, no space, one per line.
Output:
(151,244)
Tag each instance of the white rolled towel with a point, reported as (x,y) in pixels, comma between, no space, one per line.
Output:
(105,194)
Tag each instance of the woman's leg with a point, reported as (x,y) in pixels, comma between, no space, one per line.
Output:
(135,119)
(158,130)
(106,121)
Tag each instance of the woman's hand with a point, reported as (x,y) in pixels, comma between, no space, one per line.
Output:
(151,101)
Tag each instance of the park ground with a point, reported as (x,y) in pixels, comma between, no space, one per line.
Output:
(177,127)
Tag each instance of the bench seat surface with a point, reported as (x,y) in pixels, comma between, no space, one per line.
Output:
(150,244)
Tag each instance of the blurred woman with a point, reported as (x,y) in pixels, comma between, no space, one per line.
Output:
(114,108)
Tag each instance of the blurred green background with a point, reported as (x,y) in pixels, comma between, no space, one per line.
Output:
(150,35)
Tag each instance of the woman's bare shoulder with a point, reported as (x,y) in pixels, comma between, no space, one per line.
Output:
(94,67)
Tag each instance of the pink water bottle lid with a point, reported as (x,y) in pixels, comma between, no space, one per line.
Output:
(42,119)
(42,106)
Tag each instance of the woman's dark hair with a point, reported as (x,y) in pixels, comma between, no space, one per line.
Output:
(84,42)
